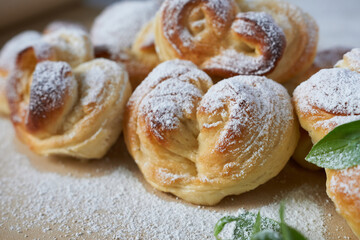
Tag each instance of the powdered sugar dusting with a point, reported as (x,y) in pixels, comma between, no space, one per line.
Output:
(168,103)
(114,206)
(116,27)
(351,60)
(51,83)
(169,93)
(15,45)
(220,14)
(261,28)
(70,44)
(332,90)
(256,106)
(347,182)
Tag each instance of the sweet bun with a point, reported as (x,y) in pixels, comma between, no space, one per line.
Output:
(301,32)
(328,99)
(62,102)
(324,59)
(8,59)
(71,45)
(343,187)
(57,110)
(66,41)
(217,37)
(115,31)
(351,60)
(230,38)
(203,142)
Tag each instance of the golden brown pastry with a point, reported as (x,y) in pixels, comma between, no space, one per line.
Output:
(328,99)
(57,110)
(228,38)
(301,32)
(324,59)
(351,60)
(70,42)
(116,30)
(7,61)
(203,142)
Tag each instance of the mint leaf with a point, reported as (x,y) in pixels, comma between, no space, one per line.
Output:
(244,225)
(221,224)
(288,232)
(251,226)
(339,149)
(244,228)
(267,235)
(257,225)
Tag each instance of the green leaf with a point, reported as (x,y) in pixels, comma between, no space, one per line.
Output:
(267,235)
(257,224)
(339,149)
(288,232)
(244,228)
(221,224)
(252,226)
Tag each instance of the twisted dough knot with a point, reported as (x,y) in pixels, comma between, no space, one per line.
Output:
(69,112)
(219,39)
(62,105)
(7,61)
(203,142)
(61,41)
(328,99)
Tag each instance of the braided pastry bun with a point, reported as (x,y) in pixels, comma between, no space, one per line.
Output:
(324,59)
(228,38)
(122,32)
(203,142)
(57,110)
(63,41)
(301,32)
(328,99)
(8,59)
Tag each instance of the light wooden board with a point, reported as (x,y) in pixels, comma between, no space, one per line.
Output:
(292,177)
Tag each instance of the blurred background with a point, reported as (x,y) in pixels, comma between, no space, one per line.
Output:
(338,20)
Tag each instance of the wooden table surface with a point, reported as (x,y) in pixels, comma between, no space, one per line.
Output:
(339,26)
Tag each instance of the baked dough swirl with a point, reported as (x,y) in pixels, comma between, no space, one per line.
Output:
(215,36)
(328,99)
(301,32)
(203,142)
(64,41)
(62,102)
(57,110)
(228,38)
(8,59)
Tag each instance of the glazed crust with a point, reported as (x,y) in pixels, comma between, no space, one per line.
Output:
(203,142)
(319,115)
